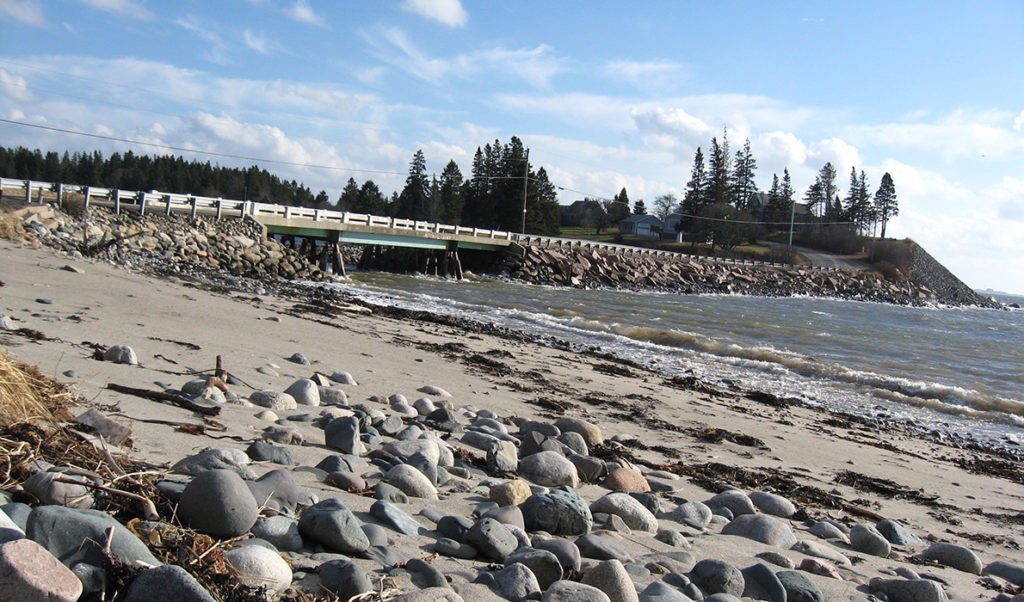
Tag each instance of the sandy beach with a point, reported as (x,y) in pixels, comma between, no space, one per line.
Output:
(830,466)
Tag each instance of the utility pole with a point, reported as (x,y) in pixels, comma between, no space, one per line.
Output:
(792,215)
(526,185)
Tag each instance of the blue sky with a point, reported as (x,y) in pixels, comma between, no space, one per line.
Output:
(606,94)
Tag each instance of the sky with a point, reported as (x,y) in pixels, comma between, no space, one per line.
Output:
(606,95)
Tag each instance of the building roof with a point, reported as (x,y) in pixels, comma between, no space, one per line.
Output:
(640,218)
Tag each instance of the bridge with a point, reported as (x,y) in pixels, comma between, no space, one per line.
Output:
(331,227)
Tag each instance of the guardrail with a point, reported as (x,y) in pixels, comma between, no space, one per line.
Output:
(169,202)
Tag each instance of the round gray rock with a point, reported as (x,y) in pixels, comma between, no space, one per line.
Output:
(559,512)
(773,504)
(629,509)
(332,524)
(953,555)
(571,591)
(549,469)
(763,528)
(274,400)
(613,579)
(911,590)
(542,563)
(219,503)
(714,576)
(492,539)
(168,582)
(257,566)
(865,538)
(305,392)
(344,578)
(411,481)
(694,514)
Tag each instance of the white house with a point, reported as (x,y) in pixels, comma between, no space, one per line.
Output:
(644,226)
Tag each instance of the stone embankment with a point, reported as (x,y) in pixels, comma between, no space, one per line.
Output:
(926,271)
(233,246)
(580,267)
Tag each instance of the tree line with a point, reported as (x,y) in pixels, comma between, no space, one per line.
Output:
(492,197)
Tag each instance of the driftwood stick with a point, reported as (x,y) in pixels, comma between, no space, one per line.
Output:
(178,400)
(148,507)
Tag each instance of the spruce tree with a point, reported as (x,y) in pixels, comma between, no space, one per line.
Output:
(886,205)
(743,186)
(719,172)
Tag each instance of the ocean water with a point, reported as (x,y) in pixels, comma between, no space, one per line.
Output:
(957,370)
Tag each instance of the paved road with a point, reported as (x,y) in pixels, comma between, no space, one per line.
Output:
(821,258)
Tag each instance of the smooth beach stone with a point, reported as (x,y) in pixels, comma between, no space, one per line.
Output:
(332,396)
(631,511)
(449,547)
(954,556)
(346,481)
(492,539)
(502,456)
(9,530)
(737,502)
(390,493)
(827,530)
(601,548)
(575,442)
(375,534)
(817,566)
(218,502)
(714,576)
(454,527)
(430,594)
(761,583)
(510,516)
(589,468)
(543,428)
(1014,573)
(343,378)
(305,392)
(572,591)
(275,490)
(298,358)
(591,432)
(281,531)
(424,464)
(543,564)
(865,538)
(763,528)
(257,566)
(897,534)
(626,479)
(409,448)
(672,538)
(333,525)
(121,354)
(821,550)
(423,406)
(565,551)
(275,400)
(773,504)
(611,577)
(396,517)
(411,481)
(45,487)
(799,588)
(693,514)
(509,493)
(344,578)
(775,558)
(559,512)
(18,513)
(659,591)
(342,434)
(549,469)
(29,572)
(261,451)
(434,391)
(478,440)
(425,575)
(75,535)
(387,556)
(915,590)
(168,582)
(516,582)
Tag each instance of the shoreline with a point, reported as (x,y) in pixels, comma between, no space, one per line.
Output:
(709,437)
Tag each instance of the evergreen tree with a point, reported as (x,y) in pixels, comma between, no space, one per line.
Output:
(371,200)
(719,189)
(412,202)
(886,205)
(450,194)
(819,196)
(618,208)
(859,209)
(697,188)
(743,186)
(639,208)
(349,199)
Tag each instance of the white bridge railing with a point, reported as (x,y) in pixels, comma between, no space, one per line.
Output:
(169,202)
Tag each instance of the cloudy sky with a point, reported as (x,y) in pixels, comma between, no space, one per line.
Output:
(606,94)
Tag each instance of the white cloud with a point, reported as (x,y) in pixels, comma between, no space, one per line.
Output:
(302,12)
(259,43)
(533,65)
(952,137)
(1018,122)
(641,72)
(673,121)
(218,51)
(840,153)
(779,149)
(15,87)
(447,12)
(29,12)
(128,8)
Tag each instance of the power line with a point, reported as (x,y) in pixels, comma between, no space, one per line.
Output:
(184,149)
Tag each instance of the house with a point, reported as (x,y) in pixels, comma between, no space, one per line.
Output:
(672,230)
(580,213)
(643,226)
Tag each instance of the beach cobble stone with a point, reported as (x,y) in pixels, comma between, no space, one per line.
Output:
(261,451)
(659,591)
(257,566)
(516,582)
(631,511)
(342,434)
(333,525)
(424,574)
(559,512)
(626,479)
(411,481)
(954,556)
(827,530)
(281,531)
(713,576)
(344,578)
(896,533)
(591,432)
(909,590)
(509,493)
(549,469)
(29,572)
(773,504)
(611,577)
(168,582)
(492,539)
(761,583)
(305,392)
(74,535)
(733,500)
(865,538)
(821,550)
(1014,573)
(572,591)
(799,588)
(449,547)
(601,548)
(397,518)
(218,502)
(763,528)
(565,551)
(48,490)
(121,354)
(543,564)
(274,400)
(693,514)
(276,490)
